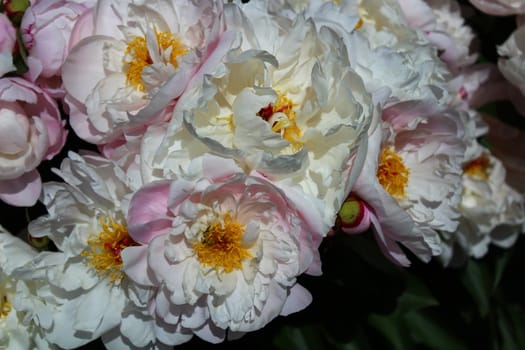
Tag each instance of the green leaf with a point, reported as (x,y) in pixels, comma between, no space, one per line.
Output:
(511,325)
(430,332)
(416,296)
(360,341)
(499,268)
(392,330)
(304,338)
(476,280)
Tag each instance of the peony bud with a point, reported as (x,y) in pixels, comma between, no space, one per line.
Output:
(354,216)
(14,9)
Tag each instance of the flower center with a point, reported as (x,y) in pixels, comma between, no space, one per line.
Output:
(137,56)
(105,247)
(5,307)
(282,119)
(478,168)
(221,245)
(392,173)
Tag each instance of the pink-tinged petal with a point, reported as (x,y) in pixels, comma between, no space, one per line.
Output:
(402,114)
(83,28)
(80,122)
(298,299)
(310,209)
(388,246)
(308,260)
(57,134)
(7,34)
(22,191)
(35,68)
(147,215)
(80,83)
(418,14)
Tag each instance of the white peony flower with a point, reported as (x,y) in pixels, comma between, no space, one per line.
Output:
(16,332)
(406,62)
(394,61)
(492,212)
(295,112)
(87,294)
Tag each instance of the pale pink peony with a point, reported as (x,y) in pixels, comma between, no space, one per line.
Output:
(7,45)
(223,251)
(46,28)
(410,185)
(131,61)
(444,27)
(31,131)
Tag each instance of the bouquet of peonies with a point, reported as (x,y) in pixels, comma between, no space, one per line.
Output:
(185,163)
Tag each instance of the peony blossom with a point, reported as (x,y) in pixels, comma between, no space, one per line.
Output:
(285,104)
(86,294)
(46,27)
(387,41)
(410,184)
(394,61)
(491,210)
(31,131)
(7,45)
(445,28)
(15,333)
(135,59)
(223,253)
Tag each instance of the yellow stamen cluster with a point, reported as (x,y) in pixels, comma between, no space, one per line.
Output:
(478,168)
(105,247)
(392,173)
(285,124)
(137,49)
(5,307)
(221,245)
